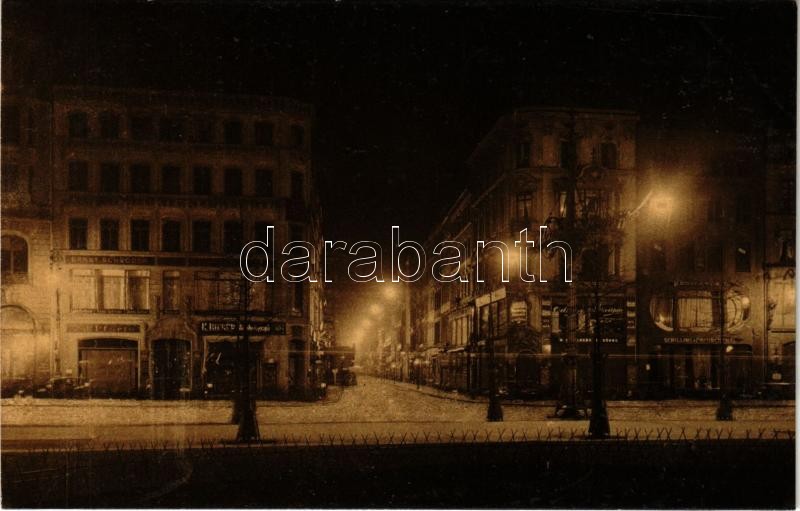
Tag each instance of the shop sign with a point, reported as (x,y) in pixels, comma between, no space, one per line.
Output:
(102,328)
(228,327)
(696,340)
(519,312)
(98,259)
(586,340)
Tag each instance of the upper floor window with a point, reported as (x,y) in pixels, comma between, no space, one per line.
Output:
(567,156)
(232,237)
(263,133)
(14,256)
(78,176)
(608,155)
(171,291)
(743,257)
(523,154)
(714,258)
(263,183)
(109,234)
(78,233)
(743,209)
(170,129)
(524,205)
(141,127)
(201,236)
(297,186)
(78,125)
(233,181)
(140,235)
(201,182)
(140,178)
(716,212)
(10,125)
(170,179)
(205,130)
(233,132)
(109,126)
(109,178)
(298,136)
(171,236)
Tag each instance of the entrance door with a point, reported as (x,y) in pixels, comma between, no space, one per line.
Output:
(171,368)
(221,376)
(296,368)
(108,365)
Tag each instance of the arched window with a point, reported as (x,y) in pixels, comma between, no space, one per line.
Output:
(14,256)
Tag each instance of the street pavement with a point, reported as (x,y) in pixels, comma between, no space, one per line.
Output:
(375,410)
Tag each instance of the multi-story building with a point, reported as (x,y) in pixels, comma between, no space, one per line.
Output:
(705,244)
(153,195)
(521,181)
(26,314)
(779,258)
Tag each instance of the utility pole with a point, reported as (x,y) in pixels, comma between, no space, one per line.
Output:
(598,423)
(570,405)
(725,408)
(244,409)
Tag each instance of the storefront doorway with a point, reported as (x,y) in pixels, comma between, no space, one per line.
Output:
(220,368)
(171,368)
(109,366)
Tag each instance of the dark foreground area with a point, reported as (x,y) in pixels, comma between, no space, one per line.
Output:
(710,473)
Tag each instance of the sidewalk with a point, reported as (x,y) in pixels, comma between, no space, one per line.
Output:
(617,403)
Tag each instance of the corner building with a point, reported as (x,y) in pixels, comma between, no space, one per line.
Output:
(154,194)
(519,180)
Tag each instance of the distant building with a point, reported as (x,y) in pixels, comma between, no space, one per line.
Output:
(153,195)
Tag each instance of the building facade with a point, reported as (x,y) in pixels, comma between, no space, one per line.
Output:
(26,310)
(708,244)
(520,181)
(153,196)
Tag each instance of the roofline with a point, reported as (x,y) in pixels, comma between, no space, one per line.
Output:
(66,91)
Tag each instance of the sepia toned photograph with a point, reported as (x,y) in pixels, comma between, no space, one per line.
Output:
(398,254)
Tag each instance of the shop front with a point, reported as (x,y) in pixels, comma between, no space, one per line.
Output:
(221,357)
(687,349)
(108,366)
(104,359)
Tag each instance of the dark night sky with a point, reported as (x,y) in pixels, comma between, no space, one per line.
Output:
(405,91)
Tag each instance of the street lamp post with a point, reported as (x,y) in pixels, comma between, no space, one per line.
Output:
(495,411)
(725,408)
(598,422)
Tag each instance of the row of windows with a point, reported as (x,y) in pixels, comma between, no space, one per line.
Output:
(693,259)
(605,156)
(203,130)
(118,291)
(170,180)
(172,235)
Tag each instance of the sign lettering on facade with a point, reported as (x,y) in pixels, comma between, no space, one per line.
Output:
(102,328)
(227,327)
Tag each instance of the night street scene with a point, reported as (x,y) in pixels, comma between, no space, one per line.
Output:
(337,254)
